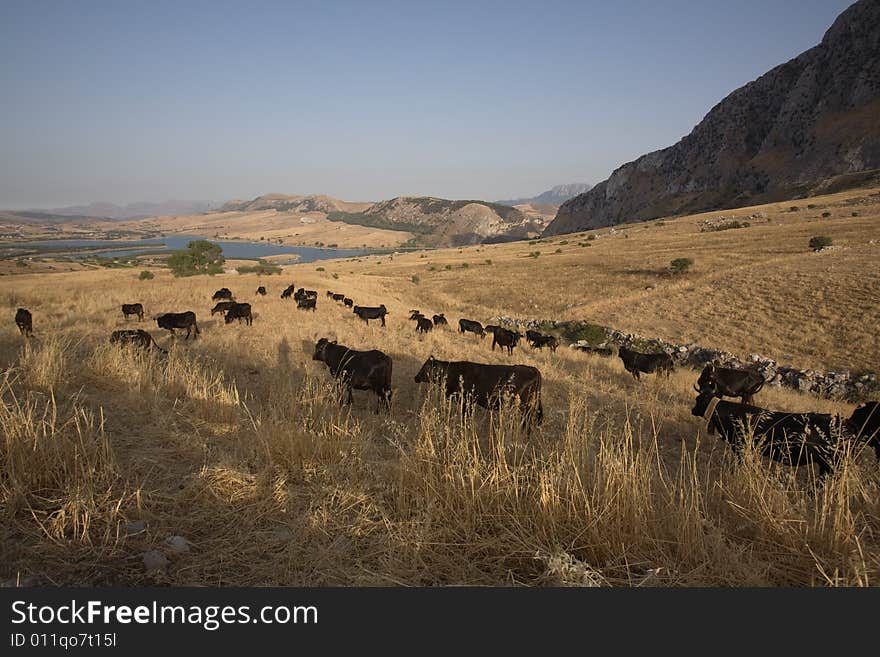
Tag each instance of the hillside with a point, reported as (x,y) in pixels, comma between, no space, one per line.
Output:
(441,222)
(292,203)
(139,210)
(809,119)
(554,196)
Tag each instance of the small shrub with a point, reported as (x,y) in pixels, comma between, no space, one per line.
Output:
(681,265)
(448,267)
(415,279)
(319,269)
(21,263)
(854,214)
(819,242)
(793,208)
(534,254)
(563,243)
(558,251)
(464,265)
(146,276)
(811,206)
(660,223)
(488,261)
(825,215)
(591,237)
(335,275)
(432,268)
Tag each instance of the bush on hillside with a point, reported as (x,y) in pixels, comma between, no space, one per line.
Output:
(819,242)
(200,257)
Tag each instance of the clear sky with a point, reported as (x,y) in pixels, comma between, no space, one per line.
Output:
(146,101)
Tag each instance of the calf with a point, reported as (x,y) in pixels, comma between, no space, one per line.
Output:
(487,384)
(133,309)
(367,313)
(287,292)
(440,320)
(185,320)
(470,326)
(539,340)
(348,303)
(503,337)
(634,362)
(261,291)
(222,293)
(789,438)
(136,337)
(361,370)
(239,311)
(423,324)
(306,304)
(730,382)
(24,321)
(338,297)
(221,307)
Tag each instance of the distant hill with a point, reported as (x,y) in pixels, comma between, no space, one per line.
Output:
(141,210)
(292,203)
(442,222)
(555,196)
(812,118)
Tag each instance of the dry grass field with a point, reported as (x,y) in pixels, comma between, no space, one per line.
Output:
(235,441)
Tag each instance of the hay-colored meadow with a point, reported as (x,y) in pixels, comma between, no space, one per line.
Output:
(235,441)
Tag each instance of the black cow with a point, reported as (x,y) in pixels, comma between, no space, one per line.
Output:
(287,292)
(338,297)
(503,337)
(222,293)
(415,314)
(361,370)
(789,438)
(137,337)
(329,293)
(25,322)
(311,294)
(185,320)
(486,384)
(239,311)
(133,309)
(221,307)
(306,304)
(367,313)
(348,303)
(539,340)
(467,325)
(864,423)
(634,362)
(599,351)
(730,382)
(423,324)
(261,291)
(440,320)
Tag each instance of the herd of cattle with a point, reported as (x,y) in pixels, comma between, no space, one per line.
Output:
(789,438)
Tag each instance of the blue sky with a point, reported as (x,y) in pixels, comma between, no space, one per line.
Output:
(125,101)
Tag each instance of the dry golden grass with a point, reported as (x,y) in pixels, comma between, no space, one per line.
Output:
(235,441)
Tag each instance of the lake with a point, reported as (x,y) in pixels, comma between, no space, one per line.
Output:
(231,250)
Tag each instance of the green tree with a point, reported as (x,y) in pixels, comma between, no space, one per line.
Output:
(200,257)
(819,242)
(681,265)
(146,275)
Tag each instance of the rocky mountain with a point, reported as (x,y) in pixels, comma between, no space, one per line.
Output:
(292,203)
(141,210)
(804,121)
(441,222)
(555,196)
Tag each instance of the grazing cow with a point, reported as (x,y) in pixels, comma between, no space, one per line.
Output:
(361,370)
(287,292)
(306,304)
(261,291)
(25,322)
(470,326)
(311,294)
(133,309)
(367,313)
(599,351)
(634,362)
(222,293)
(338,297)
(185,320)
(348,303)
(539,340)
(730,382)
(415,314)
(486,384)
(789,438)
(864,423)
(440,320)
(221,307)
(503,337)
(239,311)
(137,337)
(423,324)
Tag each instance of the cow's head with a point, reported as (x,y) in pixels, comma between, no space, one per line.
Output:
(429,368)
(707,382)
(321,349)
(701,405)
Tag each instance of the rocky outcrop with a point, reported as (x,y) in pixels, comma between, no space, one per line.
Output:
(777,137)
(553,196)
(604,341)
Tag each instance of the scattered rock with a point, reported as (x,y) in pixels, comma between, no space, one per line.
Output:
(20,582)
(154,561)
(177,544)
(135,527)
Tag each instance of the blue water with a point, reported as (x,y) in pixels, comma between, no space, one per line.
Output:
(237,250)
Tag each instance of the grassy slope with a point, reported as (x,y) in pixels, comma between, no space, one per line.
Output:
(236,443)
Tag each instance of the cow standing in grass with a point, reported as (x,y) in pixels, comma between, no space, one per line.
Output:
(730,382)
(133,309)
(185,320)
(361,370)
(634,363)
(25,322)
